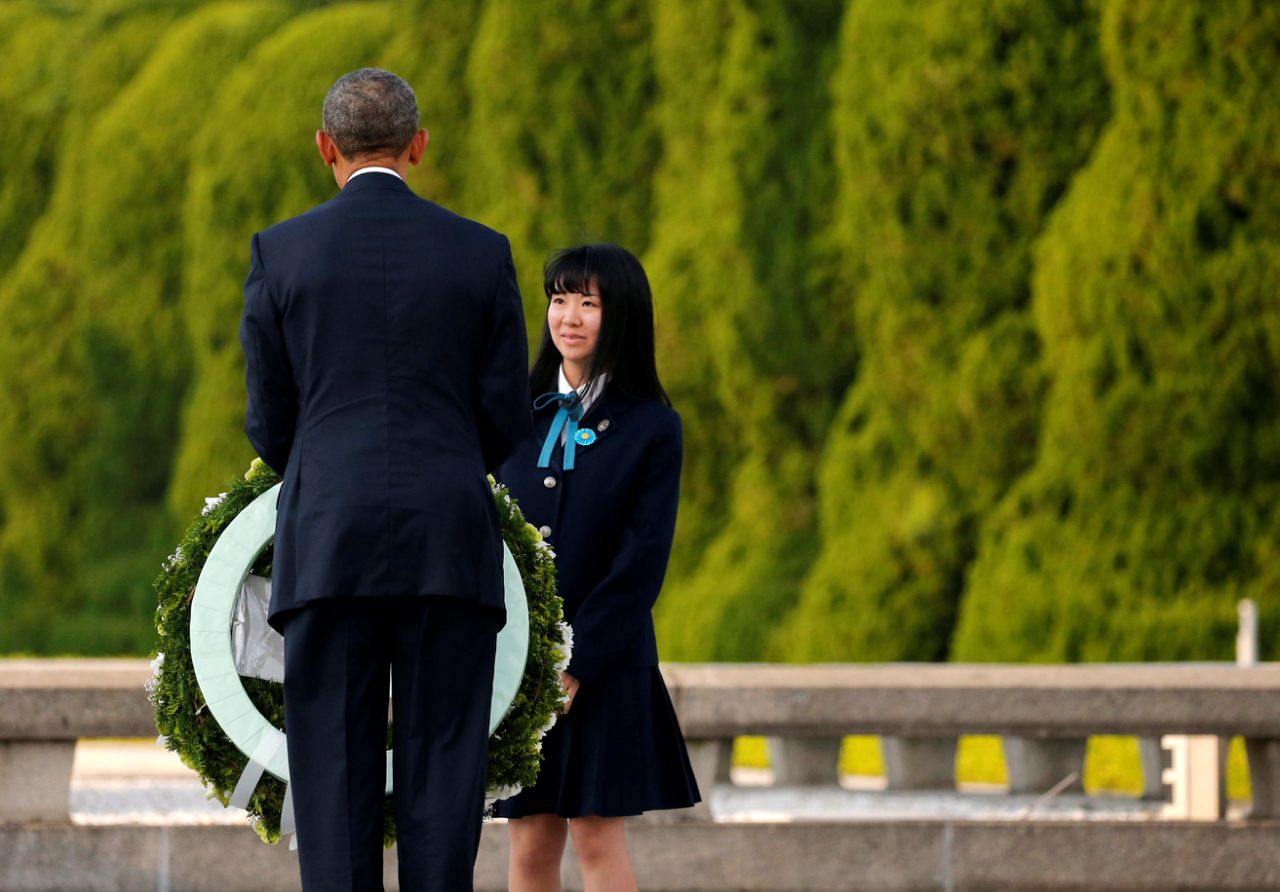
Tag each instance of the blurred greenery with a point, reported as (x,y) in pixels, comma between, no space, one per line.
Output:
(561,136)
(1153,503)
(92,322)
(971,310)
(60,66)
(958,127)
(258,165)
(744,259)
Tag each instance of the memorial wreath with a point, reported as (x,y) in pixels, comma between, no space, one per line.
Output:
(246,765)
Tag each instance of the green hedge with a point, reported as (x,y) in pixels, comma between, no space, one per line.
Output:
(60,64)
(758,357)
(259,165)
(36,51)
(682,268)
(958,128)
(561,141)
(943,345)
(1153,502)
(92,350)
(430,50)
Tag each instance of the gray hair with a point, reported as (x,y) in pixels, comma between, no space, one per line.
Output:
(370,112)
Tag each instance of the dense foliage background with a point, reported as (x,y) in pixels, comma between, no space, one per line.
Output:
(971,309)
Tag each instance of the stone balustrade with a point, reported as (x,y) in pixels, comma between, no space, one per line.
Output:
(1044,714)
(45,707)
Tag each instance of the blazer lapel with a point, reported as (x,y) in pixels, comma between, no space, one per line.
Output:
(604,419)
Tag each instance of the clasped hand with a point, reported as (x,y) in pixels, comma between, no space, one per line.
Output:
(570,685)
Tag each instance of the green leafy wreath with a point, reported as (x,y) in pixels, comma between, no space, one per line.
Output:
(188,728)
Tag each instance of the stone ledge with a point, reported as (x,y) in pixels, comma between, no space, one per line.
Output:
(938,700)
(883,856)
(67,699)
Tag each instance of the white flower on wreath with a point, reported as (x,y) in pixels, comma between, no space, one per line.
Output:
(566,646)
(547,726)
(501,793)
(211,503)
(151,682)
(174,559)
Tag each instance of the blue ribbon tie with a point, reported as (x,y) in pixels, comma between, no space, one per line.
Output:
(568,416)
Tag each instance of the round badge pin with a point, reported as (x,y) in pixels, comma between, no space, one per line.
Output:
(585,436)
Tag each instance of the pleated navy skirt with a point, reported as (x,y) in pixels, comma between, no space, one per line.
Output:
(618,751)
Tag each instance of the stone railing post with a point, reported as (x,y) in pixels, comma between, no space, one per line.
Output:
(710,758)
(1039,765)
(805,761)
(1154,759)
(1264,777)
(35,780)
(919,763)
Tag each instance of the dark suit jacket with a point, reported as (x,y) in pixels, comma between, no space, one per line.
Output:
(387,372)
(612,519)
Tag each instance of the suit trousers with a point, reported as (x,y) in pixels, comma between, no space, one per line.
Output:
(439,654)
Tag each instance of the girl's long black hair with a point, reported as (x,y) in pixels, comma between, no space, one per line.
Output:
(625,345)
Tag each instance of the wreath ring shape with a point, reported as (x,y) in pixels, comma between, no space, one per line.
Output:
(195,694)
(213,659)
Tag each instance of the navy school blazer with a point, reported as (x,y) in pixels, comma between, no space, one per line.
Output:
(386,365)
(610,521)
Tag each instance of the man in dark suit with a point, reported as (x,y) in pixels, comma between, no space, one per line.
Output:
(387,373)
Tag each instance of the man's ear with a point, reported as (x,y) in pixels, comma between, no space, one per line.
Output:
(328,148)
(418,146)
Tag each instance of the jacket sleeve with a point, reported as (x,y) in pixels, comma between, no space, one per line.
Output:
(618,608)
(503,408)
(271,416)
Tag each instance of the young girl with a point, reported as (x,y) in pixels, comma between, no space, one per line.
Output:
(600,478)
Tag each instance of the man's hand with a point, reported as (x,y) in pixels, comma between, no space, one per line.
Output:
(570,685)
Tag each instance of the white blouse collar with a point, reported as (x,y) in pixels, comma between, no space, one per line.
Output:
(589,399)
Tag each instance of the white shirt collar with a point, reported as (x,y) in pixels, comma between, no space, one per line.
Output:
(374,170)
(589,399)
